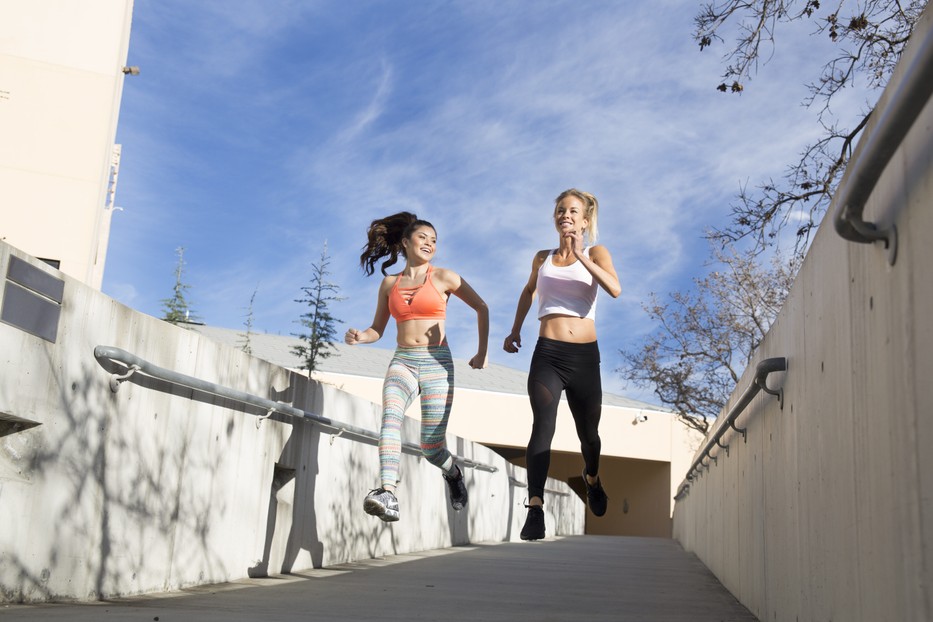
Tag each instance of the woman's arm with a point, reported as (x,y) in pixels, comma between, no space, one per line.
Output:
(380,319)
(462,290)
(514,339)
(599,264)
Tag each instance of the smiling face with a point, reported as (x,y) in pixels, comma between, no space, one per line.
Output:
(421,244)
(570,215)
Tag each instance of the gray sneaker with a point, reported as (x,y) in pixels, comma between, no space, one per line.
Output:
(381,503)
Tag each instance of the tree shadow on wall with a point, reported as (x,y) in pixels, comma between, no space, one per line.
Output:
(113,486)
(350,464)
(294,477)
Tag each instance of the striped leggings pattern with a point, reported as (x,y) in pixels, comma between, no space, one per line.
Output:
(430,371)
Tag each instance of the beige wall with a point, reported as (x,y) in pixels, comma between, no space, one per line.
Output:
(642,464)
(826,512)
(61,81)
(639,503)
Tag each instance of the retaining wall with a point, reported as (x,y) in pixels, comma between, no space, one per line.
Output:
(156,487)
(826,511)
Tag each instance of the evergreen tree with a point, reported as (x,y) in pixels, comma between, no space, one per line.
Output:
(245,344)
(177,309)
(320,323)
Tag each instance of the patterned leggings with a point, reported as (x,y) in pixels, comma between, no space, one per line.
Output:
(430,371)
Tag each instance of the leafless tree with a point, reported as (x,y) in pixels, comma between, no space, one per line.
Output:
(705,337)
(869,37)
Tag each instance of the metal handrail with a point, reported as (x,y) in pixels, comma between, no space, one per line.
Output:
(520,484)
(760,383)
(136,365)
(873,154)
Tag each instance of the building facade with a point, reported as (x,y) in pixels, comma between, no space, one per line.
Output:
(62,66)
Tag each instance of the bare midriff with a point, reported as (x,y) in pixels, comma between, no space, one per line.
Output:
(421,333)
(568,328)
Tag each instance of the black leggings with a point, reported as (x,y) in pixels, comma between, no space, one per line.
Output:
(560,366)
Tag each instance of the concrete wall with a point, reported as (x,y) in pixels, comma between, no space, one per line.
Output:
(826,512)
(155,488)
(61,82)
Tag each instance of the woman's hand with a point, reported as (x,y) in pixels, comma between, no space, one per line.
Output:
(512,343)
(576,241)
(480,361)
(354,337)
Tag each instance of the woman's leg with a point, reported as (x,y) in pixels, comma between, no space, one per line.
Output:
(544,388)
(398,390)
(585,397)
(436,381)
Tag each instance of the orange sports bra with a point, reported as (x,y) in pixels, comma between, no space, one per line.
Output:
(422,302)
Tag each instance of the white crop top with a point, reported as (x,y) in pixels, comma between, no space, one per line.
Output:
(569,290)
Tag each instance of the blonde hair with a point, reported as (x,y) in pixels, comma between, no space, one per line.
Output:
(590,211)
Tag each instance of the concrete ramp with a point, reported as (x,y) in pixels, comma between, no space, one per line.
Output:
(573,578)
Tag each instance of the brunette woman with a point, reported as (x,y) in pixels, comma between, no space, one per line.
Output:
(417,298)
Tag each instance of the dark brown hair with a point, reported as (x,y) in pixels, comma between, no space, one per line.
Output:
(384,239)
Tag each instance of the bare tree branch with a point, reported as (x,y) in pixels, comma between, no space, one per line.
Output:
(870,42)
(707,336)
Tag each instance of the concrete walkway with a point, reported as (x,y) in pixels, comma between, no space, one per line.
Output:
(565,579)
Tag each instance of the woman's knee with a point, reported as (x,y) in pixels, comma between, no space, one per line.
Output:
(435,455)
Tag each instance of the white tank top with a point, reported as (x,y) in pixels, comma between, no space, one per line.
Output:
(569,290)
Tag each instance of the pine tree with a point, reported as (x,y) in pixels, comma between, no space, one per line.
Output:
(245,345)
(177,309)
(317,344)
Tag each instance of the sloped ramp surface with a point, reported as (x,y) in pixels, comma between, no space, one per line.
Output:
(565,579)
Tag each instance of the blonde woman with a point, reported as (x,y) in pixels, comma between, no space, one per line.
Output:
(566,281)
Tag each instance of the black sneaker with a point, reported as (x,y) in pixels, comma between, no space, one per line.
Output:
(382,504)
(534,523)
(457,489)
(595,496)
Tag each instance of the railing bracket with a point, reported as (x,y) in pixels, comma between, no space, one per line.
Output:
(742,431)
(260,418)
(726,447)
(778,393)
(116,380)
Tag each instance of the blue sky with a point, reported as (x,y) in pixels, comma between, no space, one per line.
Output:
(258,130)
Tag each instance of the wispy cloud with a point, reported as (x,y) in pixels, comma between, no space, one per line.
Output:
(255,134)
